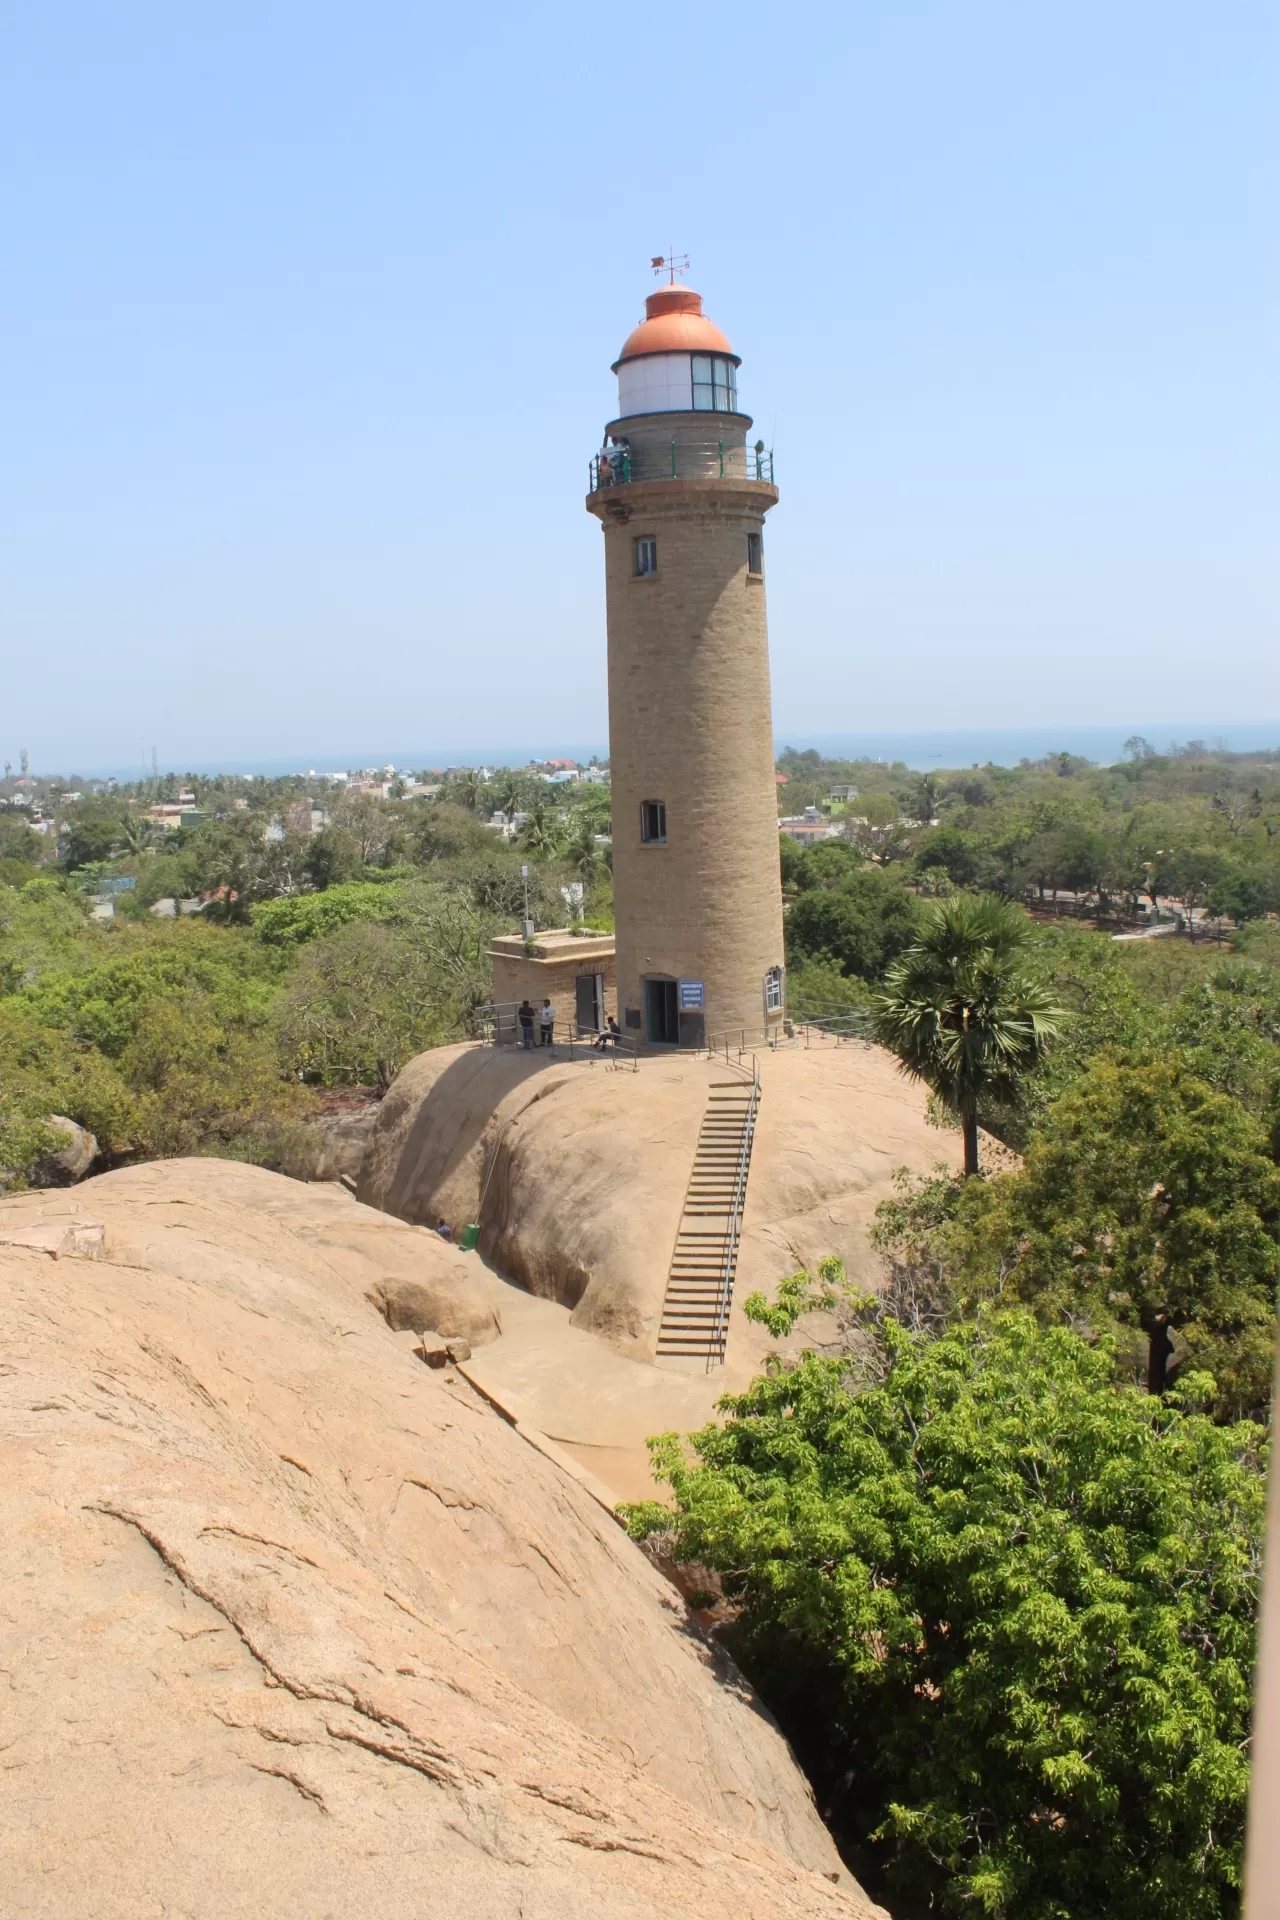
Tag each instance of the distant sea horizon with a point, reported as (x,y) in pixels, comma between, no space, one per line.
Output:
(920,751)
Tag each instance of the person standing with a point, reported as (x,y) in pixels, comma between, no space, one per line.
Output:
(524,1014)
(546,1024)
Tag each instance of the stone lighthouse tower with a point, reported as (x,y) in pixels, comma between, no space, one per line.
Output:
(682,496)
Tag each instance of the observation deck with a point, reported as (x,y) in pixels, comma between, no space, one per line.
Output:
(683,456)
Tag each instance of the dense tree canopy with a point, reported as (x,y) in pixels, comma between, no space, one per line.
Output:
(859,917)
(1148,1201)
(1004,1612)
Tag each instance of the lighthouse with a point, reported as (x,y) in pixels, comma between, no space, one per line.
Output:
(681,492)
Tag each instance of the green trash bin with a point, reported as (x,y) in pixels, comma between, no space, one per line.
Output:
(470,1238)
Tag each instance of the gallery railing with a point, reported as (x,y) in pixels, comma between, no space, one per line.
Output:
(690,460)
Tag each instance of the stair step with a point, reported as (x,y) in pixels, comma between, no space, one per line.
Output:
(705,1256)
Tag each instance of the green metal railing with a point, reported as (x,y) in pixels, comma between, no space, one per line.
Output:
(620,467)
(610,471)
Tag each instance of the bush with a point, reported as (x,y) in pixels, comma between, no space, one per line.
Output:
(1004,1612)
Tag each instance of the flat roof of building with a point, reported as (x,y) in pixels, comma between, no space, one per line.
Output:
(560,943)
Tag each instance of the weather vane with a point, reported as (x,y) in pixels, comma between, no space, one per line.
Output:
(671,264)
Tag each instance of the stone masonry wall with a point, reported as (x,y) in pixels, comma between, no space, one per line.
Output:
(690,725)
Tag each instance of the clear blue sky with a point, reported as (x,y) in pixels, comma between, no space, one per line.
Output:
(308,313)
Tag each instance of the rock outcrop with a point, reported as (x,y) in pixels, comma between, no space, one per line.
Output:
(70,1162)
(577,1174)
(293,1625)
(331,1143)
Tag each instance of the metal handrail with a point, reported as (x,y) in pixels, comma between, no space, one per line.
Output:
(615,469)
(499,1027)
(732,1238)
(841,1023)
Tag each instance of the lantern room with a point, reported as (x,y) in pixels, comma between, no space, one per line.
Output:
(676,360)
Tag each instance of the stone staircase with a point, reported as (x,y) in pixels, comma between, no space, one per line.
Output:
(695,1311)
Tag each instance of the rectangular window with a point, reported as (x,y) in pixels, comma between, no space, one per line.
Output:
(773,990)
(646,556)
(715,384)
(755,553)
(653,823)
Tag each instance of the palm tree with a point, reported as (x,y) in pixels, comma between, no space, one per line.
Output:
(136,833)
(470,789)
(960,1012)
(543,831)
(509,795)
(583,855)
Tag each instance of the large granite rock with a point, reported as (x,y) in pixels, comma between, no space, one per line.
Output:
(577,1174)
(294,1626)
(70,1162)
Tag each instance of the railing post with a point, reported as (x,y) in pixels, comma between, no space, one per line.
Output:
(722,459)
(674,475)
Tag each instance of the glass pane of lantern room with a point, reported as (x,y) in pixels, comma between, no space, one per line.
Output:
(723,398)
(703,388)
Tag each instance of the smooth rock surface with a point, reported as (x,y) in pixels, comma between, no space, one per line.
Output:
(294,1626)
(577,1174)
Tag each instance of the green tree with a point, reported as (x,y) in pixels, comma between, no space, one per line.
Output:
(92,836)
(19,843)
(302,917)
(1238,896)
(543,832)
(1149,1200)
(585,858)
(957,854)
(362,1002)
(470,789)
(1004,1612)
(1193,874)
(862,923)
(962,1012)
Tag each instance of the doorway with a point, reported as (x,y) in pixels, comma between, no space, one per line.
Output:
(588,991)
(661,1012)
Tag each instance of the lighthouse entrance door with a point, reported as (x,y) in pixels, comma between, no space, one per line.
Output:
(661,1012)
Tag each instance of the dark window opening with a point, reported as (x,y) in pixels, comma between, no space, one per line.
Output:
(653,823)
(661,1013)
(646,556)
(755,553)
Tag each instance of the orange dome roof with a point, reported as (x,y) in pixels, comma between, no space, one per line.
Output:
(674,323)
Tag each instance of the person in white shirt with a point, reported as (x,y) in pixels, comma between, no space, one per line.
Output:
(546,1021)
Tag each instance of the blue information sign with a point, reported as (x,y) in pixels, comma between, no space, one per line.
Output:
(690,995)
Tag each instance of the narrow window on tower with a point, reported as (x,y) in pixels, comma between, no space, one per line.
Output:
(755,553)
(646,556)
(653,823)
(773,990)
